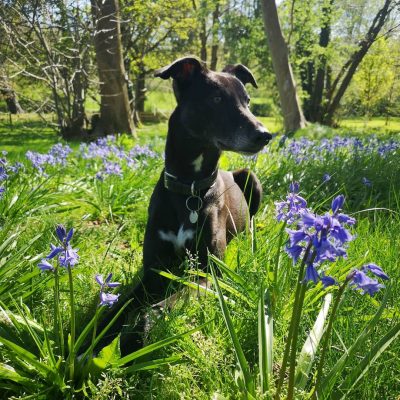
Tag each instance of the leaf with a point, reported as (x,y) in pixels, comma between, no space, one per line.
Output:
(108,355)
(327,383)
(265,337)
(310,347)
(8,372)
(155,346)
(358,371)
(152,364)
(241,359)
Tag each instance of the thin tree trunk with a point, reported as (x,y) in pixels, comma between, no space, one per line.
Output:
(115,111)
(9,94)
(292,114)
(11,99)
(214,47)
(351,65)
(315,112)
(140,90)
(203,40)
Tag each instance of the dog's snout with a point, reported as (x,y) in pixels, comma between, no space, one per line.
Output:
(263,136)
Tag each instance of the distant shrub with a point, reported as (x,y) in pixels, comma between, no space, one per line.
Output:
(263,108)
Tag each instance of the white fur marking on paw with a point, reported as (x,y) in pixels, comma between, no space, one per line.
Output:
(197,163)
(178,240)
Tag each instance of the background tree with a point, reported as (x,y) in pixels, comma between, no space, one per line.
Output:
(157,31)
(291,109)
(48,44)
(115,111)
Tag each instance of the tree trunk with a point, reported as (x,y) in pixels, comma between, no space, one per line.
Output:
(9,95)
(350,67)
(291,109)
(115,112)
(214,47)
(203,40)
(315,111)
(11,99)
(140,91)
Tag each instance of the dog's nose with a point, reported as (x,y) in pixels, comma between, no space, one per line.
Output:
(263,136)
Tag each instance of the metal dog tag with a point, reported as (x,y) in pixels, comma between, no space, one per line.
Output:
(193,217)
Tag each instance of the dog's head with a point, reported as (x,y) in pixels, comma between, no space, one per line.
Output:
(214,106)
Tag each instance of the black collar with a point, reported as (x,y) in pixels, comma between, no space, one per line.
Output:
(173,184)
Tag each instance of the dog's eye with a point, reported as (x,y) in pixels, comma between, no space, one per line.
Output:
(248,100)
(217,99)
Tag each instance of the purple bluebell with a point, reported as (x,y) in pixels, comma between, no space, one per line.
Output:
(326,178)
(311,274)
(3,174)
(375,269)
(44,265)
(294,252)
(365,181)
(67,256)
(360,280)
(337,204)
(112,168)
(107,282)
(57,155)
(290,209)
(108,299)
(2,190)
(327,280)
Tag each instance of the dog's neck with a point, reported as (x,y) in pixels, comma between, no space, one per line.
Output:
(186,157)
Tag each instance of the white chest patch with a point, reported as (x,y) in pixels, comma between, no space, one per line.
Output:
(179,239)
(198,163)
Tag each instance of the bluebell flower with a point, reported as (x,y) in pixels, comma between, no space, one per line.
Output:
(363,282)
(337,204)
(108,299)
(375,269)
(67,256)
(294,252)
(311,274)
(294,205)
(2,190)
(326,178)
(107,282)
(327,280)
(44,265)
(365,181)
(3,173)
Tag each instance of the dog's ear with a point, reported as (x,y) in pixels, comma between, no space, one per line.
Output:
(242,73)
(182,70)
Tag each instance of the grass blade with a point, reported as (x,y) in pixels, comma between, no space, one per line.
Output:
(155,346)
(243,365)
(358,371)
(310,347)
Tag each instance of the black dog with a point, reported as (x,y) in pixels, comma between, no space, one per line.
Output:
(195,206)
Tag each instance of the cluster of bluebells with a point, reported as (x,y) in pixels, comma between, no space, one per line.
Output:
(56,156)
(68,258)
(107,299)
(305,149)
(320,238)
(113,157)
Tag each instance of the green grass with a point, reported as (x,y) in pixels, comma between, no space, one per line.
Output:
(109,218)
